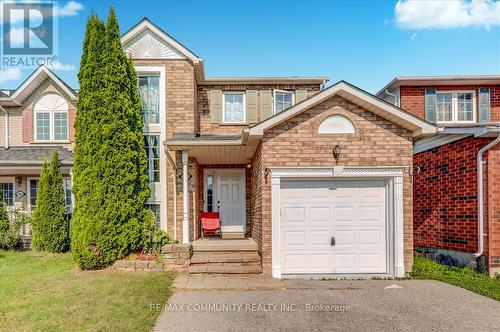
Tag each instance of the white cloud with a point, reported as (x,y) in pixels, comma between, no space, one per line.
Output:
(10,74)
(60,66)
(71,8)
(444,14)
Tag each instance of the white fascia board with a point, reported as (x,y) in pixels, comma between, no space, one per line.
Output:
(436,141)
(43,70)
(424,127)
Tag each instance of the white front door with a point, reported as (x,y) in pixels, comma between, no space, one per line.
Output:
(230,199)
(333,226)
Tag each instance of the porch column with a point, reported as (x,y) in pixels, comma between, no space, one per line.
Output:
(185,198)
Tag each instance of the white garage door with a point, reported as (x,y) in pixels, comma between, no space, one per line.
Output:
(353,213)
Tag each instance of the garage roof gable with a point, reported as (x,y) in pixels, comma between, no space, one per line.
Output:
(357,96)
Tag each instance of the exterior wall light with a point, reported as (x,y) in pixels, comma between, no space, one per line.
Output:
(337,149)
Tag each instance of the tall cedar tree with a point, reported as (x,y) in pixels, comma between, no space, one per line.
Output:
(49,218)
(110,168)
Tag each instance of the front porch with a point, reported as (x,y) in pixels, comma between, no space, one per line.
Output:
(218,180)
(234,256)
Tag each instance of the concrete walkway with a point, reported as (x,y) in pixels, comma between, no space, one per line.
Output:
(313,305)
(225,282)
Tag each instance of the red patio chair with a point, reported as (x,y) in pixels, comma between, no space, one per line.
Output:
(210,223)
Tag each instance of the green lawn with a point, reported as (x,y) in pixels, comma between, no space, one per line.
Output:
(462,277)
(40,292)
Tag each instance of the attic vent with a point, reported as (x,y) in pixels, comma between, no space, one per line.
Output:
(336,124)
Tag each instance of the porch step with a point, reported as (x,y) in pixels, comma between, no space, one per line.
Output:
(240,235)
(225,262)
(225,245)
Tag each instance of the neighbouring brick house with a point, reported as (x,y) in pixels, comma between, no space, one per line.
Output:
(314,180)
(448,202)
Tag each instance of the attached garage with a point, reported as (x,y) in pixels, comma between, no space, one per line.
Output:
(339,221)
(333,226)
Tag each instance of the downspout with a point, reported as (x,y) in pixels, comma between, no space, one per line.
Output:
(393,96)
(480,194)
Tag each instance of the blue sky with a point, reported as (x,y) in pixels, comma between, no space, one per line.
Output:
(364,42)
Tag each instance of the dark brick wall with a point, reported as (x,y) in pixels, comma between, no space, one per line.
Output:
(445,196)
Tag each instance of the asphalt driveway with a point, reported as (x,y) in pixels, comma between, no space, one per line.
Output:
(369,305)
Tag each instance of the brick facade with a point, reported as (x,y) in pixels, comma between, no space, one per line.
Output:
(295,142)
(492,245)
(204,125)
(412,97)
(445,196)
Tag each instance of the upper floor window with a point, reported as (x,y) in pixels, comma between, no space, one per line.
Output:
(455,106)
(233,107)
(149,91)
(282,100)
(152,147)
(51,118)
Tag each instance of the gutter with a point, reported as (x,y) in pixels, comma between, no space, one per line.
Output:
(480,192)
(396,101)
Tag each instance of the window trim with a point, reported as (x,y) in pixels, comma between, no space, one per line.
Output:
(151,74)
(52,128)
(28,189)
(286,91)
(13,181)
(454,106)
(150,149)
(224,93)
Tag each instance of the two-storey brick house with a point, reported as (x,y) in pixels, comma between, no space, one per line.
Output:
(456,176)
(313,180)
(35,119)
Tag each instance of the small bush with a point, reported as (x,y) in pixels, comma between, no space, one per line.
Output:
(154,239)
(10,230)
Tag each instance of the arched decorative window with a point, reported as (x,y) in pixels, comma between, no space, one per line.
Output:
(51,118)
(336,124)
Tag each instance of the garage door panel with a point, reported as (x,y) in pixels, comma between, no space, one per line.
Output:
(294,214)
(344,213)
(354,212)
(296,263)
(371,237)
(295,238)
(372,214)
(319,214)
(320,262)
(320,237)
